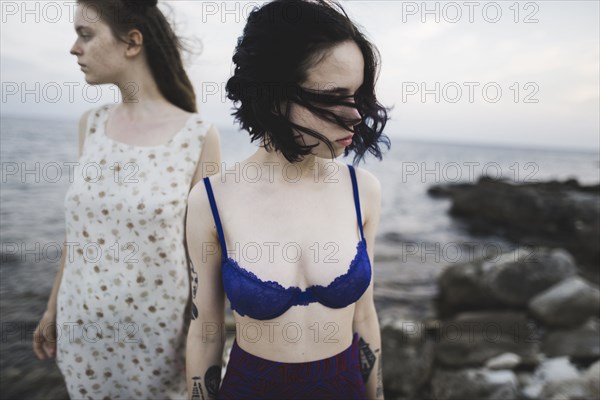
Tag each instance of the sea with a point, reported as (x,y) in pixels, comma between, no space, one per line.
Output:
(415,240)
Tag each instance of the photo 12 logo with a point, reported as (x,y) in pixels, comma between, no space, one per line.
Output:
(469,11)
(454,92)
(54,92)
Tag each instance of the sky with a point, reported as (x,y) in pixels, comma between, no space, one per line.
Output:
(513,73)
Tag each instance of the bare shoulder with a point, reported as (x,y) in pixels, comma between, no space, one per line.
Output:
(210,154)
(368,183)
(198,214)
(370,194)
(212,133)
(211,148)
(197,198)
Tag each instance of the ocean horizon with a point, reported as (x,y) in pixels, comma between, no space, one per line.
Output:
(393,135)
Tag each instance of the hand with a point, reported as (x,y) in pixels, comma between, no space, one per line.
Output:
(44,337)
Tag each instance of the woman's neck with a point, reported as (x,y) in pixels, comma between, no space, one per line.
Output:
(273,164)
(140,94)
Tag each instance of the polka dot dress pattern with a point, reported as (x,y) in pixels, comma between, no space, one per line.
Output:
(125,285)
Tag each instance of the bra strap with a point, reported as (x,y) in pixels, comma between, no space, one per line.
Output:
(215,213)
(356,200)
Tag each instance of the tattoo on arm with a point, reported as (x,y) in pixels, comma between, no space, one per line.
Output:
(197,393)
(212,380)
(194,281)
(379,392)
(194,291)
(367,359)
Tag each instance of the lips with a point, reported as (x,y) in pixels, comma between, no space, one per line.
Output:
(345,142)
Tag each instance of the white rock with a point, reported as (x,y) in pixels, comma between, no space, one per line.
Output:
(503,361)
(556,369)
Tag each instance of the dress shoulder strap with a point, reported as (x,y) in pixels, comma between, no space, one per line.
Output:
(356,200)
(95,117)
(215,213)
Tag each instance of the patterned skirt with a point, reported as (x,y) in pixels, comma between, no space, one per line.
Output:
(251,377)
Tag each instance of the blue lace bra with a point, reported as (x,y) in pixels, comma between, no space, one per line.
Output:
(263,300)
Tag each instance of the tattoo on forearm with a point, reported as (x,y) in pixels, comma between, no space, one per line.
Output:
(197,393)
(367,359)
(212,380)
(379,391)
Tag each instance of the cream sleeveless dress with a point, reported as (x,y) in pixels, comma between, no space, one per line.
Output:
(125,286)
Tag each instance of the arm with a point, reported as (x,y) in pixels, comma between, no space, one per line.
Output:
(365,321)
(210,157)
(206,339)
(44,336)
(44,339)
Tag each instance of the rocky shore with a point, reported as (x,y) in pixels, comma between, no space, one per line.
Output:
(520,325)
(553,214)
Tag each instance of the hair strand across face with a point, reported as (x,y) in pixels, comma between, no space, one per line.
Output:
(281,41)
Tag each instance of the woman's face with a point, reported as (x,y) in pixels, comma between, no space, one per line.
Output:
(340,72)
(100,55)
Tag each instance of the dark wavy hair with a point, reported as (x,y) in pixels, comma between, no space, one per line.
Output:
(281,41)
(162,46)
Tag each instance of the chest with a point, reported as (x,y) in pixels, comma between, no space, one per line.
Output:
(297,239)
(145,133)
(110,182)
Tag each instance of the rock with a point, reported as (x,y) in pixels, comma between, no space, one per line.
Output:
(503,361)
(524,379)
(511,279)
(572,389)
(558,379)
(460,289)
(553,214)
(438,191)
(581,343)
(516,277)
(408,355)
(471,338)
(480,384)
(591,377)
(568,303)
(557,369)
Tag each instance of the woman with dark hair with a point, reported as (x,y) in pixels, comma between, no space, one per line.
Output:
(299,284)
(116,318)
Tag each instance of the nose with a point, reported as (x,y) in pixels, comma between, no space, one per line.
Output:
(352,116)
(75,50)
(355,115)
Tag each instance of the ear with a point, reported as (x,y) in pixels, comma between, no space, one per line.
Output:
(135,40)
